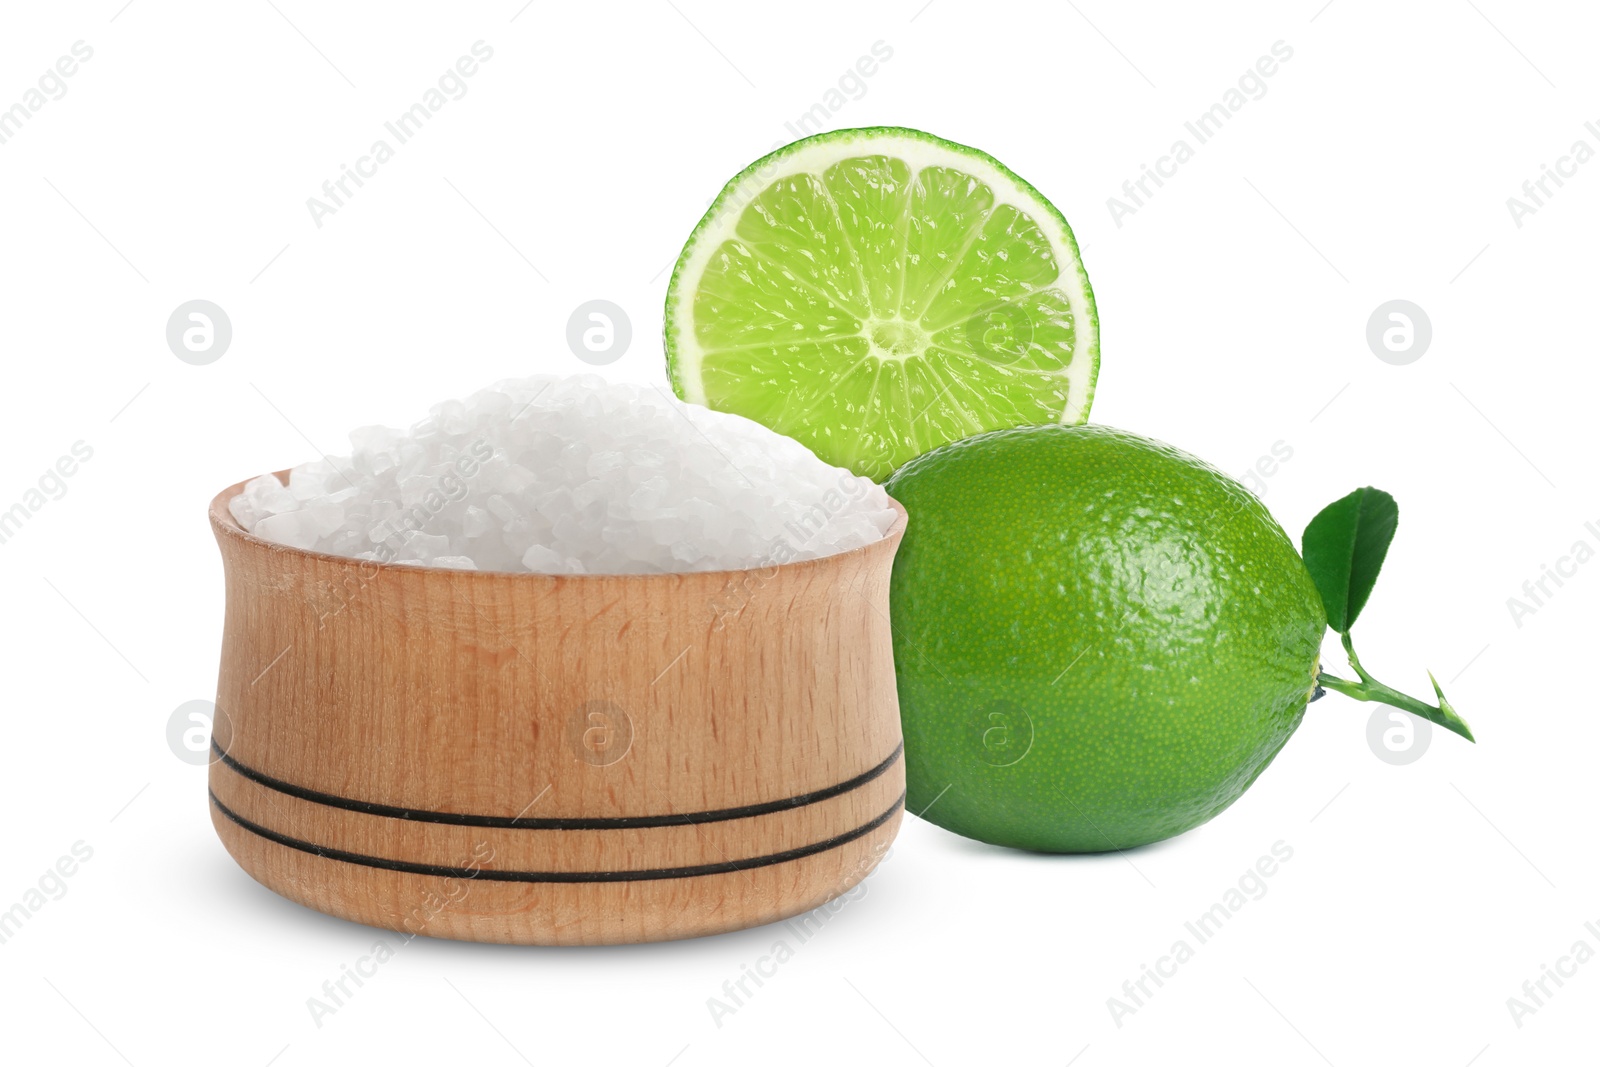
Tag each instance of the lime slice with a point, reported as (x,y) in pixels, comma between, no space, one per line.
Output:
(877,293)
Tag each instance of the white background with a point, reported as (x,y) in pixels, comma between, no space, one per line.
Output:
(1234,306)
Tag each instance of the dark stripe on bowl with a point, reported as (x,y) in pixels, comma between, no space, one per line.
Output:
(507,822)
(487,875)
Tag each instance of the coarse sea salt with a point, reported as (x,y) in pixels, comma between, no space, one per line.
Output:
(570,476)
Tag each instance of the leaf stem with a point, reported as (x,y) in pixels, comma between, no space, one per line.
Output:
(1369,688)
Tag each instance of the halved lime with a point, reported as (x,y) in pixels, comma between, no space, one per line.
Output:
(877,293)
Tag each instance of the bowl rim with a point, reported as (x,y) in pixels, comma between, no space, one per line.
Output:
(223,524)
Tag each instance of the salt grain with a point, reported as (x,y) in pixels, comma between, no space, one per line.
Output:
(570,476)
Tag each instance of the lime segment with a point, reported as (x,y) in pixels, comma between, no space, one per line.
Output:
(877,293)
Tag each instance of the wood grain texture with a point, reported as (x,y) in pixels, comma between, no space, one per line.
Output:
(555,759)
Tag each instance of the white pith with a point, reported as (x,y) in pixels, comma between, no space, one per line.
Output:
(816,158)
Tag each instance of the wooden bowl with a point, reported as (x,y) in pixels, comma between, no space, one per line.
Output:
(555,759)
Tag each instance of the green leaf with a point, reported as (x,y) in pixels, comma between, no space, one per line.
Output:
(1344,547)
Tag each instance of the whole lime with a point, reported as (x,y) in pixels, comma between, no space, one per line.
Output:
(1100,640)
